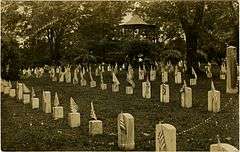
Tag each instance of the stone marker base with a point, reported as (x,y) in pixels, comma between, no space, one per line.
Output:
(83,83)
(214,101)
(193,82)
(103,86)
(26,98)
(12,93)
(6,90)
(74,119)
(115,88)
(129,90)
(95,127)
(57,112)
(35,103)
(93,84)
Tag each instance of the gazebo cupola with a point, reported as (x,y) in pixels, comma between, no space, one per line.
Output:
(136,28)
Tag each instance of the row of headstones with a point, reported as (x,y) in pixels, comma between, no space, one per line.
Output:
(22,93)
(186,92)
(165,133)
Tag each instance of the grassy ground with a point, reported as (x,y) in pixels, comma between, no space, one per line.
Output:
(26,129)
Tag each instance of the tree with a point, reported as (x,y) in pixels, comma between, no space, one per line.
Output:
(195,22)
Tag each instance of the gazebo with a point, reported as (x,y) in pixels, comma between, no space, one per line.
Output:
(136,28)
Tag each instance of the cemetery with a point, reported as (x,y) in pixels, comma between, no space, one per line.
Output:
(133,85)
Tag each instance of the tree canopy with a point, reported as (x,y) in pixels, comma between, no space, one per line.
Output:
(59,31)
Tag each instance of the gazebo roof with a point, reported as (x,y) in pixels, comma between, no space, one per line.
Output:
(135,20)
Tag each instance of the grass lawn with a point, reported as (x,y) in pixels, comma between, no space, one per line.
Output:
(25,129)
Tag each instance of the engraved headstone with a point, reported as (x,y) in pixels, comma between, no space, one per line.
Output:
(57,110)
(146,89)
(165,137)
(213,99)
(73,116)
(126,131)
(164,93)
(95,126)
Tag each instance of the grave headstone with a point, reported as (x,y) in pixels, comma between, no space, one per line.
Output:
(186,96)
(153,74)
(35,103)
(47,102)
(73,116)
(57,110)
(12,93)
(165,137)
(95,126)
(20,91)
(129,90)
(115,85)
(222,147)
(231,83)
(213,99)
(140,74)
(164,93)
(126,131)
(164,76)
(146,89)
(193,80)
(178,76)
(223,71)
(102,85)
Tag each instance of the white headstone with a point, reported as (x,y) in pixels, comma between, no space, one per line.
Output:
(213,99)
(12,93)
(57,112)
(222,147)
(129,90)
(20,91)
(146,89)
(164,93)
(95,127)
(26,98)
(74,116)
(153,74)
(165,137)
(35,103)
(47,102)
(126,131)
(164,77)
(186,96)
(178,77)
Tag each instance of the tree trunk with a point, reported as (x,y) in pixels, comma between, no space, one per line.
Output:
(191,42)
